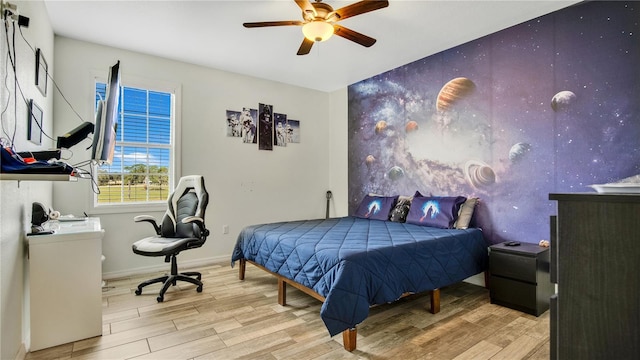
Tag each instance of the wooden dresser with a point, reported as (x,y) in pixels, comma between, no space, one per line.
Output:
(595,261)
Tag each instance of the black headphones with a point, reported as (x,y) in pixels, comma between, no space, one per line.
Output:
(39,216)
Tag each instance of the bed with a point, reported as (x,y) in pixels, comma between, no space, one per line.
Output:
(351,263)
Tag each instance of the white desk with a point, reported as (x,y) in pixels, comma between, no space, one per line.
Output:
(65,277)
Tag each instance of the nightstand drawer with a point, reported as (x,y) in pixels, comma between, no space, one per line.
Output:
(514,294)
(513,266)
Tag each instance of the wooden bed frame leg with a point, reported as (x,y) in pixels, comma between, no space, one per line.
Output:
(349,339)
(282,292)
(435,301)
(487,279)
(242,267)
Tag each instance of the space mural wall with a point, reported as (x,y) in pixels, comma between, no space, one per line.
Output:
(550,105)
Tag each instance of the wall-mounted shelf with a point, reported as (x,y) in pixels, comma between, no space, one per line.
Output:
(38,177)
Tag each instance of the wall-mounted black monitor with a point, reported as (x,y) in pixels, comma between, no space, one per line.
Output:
(104,137)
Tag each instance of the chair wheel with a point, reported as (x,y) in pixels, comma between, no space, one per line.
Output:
(160,298)
(138,291)
(199,289)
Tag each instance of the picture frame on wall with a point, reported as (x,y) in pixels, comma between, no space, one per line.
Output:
(42,69)
(265,127)
(248,123)
(34,131)
(234,127)
(292,131)
(279,134)
(262,126)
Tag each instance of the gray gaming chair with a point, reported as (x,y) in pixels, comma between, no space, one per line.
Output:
(182,228)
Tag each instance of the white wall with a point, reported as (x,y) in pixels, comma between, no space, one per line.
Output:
(16,199)
(339,153)
(246,185)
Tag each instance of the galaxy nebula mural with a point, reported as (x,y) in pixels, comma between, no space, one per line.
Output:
(550,105)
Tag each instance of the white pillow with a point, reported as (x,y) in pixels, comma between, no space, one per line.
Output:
(466,213)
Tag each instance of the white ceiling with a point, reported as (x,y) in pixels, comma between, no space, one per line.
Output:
(210,33)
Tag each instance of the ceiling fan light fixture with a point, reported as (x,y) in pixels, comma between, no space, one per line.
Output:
(317,30)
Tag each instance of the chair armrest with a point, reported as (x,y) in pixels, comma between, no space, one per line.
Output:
(150,219)
(199,221)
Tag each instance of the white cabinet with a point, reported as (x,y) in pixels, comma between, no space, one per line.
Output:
(65,283)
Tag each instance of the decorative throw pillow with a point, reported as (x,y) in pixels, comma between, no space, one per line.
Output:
(435,211)
(466,213)
(417,194)
(400,210)
(376,207)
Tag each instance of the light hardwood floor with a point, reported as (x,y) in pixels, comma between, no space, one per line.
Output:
(233,319)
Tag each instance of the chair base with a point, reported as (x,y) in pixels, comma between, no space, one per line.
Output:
(172,279)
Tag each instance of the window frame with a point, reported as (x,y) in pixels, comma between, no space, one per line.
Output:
(175,134)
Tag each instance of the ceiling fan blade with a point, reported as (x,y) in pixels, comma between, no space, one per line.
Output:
(307,8)
(354,36)
(359,8)
(272,23)
(305,47)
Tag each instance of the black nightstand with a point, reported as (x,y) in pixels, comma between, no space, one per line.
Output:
(520,277)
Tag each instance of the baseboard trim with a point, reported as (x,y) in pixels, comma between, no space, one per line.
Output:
(477,279)
(183,264)
(22,353)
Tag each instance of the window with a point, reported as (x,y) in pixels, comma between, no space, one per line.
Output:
(142,169)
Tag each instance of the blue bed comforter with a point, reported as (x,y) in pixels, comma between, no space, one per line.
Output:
(355,262)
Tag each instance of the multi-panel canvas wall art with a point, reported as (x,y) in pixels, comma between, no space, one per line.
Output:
(263,127)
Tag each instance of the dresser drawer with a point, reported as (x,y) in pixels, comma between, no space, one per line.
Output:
(513,266)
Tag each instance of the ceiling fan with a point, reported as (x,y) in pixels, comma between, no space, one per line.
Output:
(319,22)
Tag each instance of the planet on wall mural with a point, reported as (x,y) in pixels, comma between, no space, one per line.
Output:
(518,151)
(369,160)
(395,173)
(479,174)
(411,126)
(380,126)
(562,100)
(453,91)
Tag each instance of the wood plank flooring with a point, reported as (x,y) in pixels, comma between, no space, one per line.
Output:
(233,319)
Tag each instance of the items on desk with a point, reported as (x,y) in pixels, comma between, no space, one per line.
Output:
(13,163)
(48,232)
(54,215)
(39,216)
(45,155)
